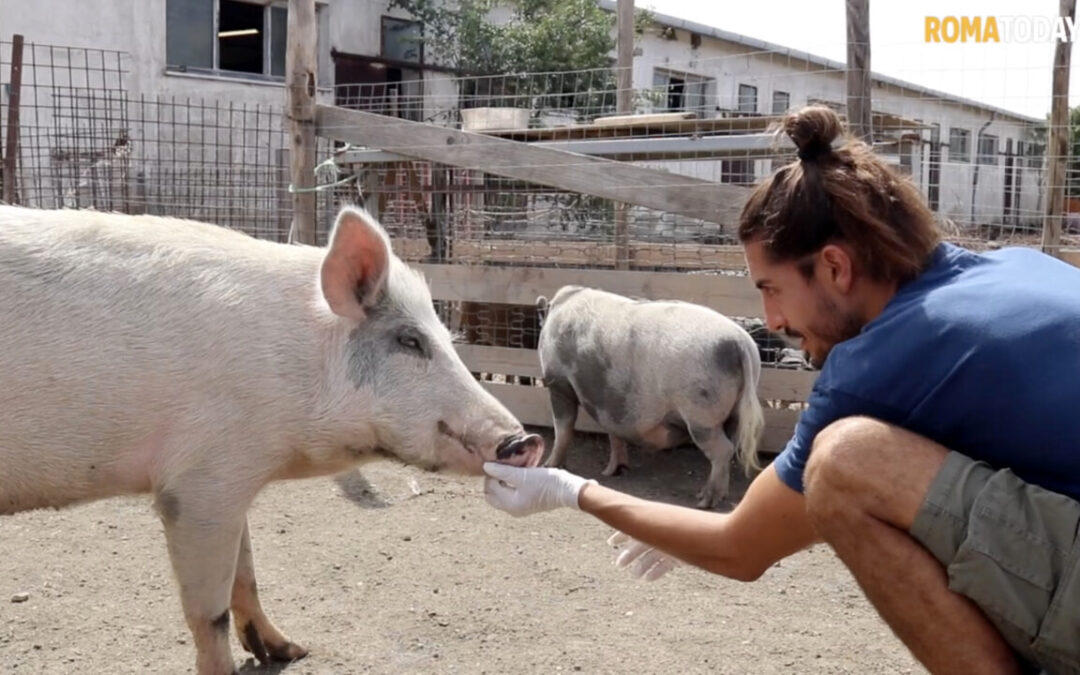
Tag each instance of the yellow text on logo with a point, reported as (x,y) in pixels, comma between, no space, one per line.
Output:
(963,29)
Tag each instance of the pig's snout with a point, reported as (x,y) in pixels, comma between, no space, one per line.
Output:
(529,447)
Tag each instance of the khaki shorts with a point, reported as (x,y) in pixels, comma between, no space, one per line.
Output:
(1011,547)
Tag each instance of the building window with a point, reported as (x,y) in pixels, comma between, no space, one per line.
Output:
(781,102)
(737,171)
(747,98)
(401,40)
(682,91)
(1035,155)
(988,149)
(959,145)
(231,36)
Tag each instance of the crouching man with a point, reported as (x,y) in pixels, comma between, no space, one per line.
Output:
(939,456)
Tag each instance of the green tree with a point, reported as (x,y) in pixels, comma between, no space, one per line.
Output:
(523,53)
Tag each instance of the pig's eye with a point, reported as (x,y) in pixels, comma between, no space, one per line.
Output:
(410,342)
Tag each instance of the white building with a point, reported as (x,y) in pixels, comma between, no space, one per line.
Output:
(176,105)
(233,52)
(209,48)
(713,72)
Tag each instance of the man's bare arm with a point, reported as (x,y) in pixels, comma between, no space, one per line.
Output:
(768,524)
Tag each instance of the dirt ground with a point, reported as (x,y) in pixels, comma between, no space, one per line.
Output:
(388,569)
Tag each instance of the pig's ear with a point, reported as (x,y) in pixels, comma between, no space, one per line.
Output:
(356,264)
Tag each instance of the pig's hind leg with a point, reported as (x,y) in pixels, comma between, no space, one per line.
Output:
(619,457)
(257,633)
(718,448)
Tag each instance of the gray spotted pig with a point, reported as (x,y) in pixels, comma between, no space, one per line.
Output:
(653,374)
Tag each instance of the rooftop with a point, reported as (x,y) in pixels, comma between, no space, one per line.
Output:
(877,78)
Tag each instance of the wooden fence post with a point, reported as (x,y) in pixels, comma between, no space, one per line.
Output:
(300,72)
(624,106)
(11,147)
(859,86)
(1058,146)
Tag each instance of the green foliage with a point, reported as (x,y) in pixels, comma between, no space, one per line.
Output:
(478,38)
(536,51)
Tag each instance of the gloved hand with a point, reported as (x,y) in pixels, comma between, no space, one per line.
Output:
(645,562)
(523,491)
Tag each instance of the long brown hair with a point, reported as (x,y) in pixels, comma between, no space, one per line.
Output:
(844,193)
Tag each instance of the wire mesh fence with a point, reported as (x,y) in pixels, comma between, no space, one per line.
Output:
(86,141)
(982,170)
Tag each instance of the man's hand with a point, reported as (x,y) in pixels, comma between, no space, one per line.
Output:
(523,491)
(645,562)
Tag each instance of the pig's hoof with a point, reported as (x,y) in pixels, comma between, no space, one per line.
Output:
(708,501)
(616,471)
(290,651)
(267,652)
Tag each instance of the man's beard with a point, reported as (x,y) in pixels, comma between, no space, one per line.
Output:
(832,327)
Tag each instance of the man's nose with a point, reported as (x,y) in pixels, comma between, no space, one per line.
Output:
(774,320)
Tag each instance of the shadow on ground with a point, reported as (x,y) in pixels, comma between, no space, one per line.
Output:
(673,476)
(358,490)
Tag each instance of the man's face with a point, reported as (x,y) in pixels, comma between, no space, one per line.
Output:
(814,312)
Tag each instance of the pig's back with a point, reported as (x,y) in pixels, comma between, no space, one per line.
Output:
(115,326)
(654,347)
(631,329)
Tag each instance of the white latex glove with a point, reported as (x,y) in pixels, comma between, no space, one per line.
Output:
(645,562)
(523,491)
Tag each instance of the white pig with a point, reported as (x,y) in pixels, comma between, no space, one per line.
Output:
(195,363)
(654,374)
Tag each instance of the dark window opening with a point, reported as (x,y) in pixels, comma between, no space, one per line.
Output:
(676,88)
(240,37)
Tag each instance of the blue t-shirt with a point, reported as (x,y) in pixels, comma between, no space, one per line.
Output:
(980,353)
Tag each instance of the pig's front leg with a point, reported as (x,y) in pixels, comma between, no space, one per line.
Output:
(619,456)
(257,633)
(204,522)
(564,408)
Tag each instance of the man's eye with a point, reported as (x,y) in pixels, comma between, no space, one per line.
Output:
(409,342)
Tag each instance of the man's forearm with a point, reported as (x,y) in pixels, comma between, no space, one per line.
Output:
(691,535)
(769,524)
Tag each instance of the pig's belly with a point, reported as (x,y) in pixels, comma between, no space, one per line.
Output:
(649,436)
(60,462)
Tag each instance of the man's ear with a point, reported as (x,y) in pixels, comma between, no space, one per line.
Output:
(838,267)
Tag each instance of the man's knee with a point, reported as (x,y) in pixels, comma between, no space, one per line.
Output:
(861,465)
(844,451)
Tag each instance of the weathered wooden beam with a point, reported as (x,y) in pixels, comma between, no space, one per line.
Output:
(1058,147)
(11,147)
(301,71)
(640,186)
(624,63)
(577,253)
(740,146)
(624,105)
(1071,256)
(532,406)
(858,69)
(729,295)
(777,384)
